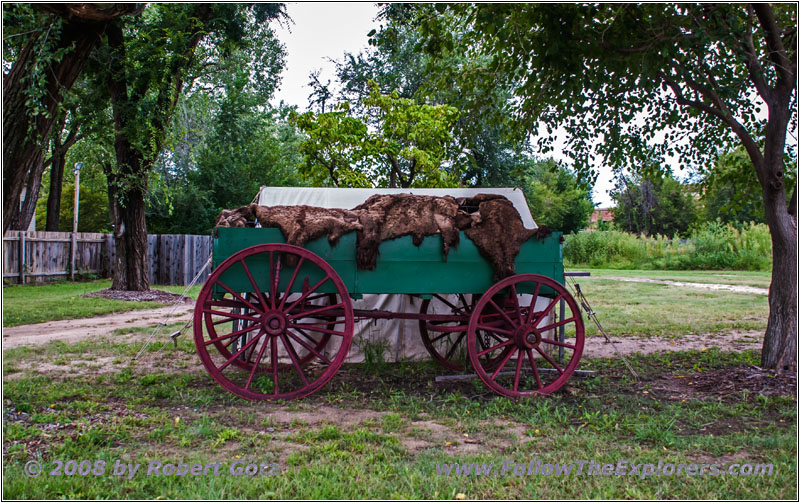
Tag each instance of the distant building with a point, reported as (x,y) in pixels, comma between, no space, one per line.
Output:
(604,215)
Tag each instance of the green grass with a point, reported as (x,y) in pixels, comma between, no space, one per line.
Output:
(24,304)
(137,415)
(648,309)
(758,279)
(378,430)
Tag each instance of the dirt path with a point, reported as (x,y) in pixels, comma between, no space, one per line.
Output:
(704,286)
(74,330)
(597,347)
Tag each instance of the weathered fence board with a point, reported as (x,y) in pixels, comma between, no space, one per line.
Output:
(173,259)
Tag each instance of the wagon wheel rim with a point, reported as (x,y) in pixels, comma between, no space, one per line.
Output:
(526,336)
(292,350)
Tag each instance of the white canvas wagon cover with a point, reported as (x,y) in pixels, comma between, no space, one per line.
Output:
(401,337)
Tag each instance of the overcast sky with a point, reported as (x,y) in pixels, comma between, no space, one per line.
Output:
(329,29)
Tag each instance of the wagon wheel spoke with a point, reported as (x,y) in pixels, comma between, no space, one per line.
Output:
(557,324)
(440,337)
(270,279)
(230,316)
(517,308)
(532,307)
(455,345)
(315,328)
(503,363)
(491,329)
(448,303)
(274,351)
(232,334)
(518,370)
(535,370)
(547,310)
(239,297)
(238,353)
(557,343)
(502,313)
(250,278)
(493,348)
(311,312)
(294,357)
(550,360)
(291,283)
(256,364)
(308,292)
(309,348)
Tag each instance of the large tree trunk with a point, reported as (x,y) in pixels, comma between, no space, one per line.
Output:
(127,182)
(56,183)
(23,133)
(780,341)
(130,270)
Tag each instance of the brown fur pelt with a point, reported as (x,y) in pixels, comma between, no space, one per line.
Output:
(298,224)
(489,220)
(498,233)
(235,218)
(301,224)
(389,216)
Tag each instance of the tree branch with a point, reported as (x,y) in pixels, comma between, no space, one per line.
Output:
(776,51)
(753,66)
(749,144)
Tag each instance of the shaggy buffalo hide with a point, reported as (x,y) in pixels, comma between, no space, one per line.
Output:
(390,216)
(498,233)
(301,224)
(235,218)
(489,220)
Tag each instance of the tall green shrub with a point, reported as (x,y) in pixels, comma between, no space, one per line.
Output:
(713,245)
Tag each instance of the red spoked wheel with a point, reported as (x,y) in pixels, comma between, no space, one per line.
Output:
(244,361)
(286,336)
(522,357)
(446,341)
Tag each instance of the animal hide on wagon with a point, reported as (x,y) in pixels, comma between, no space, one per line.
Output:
(386,217)
(489,220)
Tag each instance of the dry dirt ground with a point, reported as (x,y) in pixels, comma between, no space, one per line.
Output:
(70,331)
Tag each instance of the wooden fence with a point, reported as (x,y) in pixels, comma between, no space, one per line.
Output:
(173,259)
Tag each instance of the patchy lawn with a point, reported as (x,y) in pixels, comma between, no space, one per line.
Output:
(389,430)
(382,430)
(649,309)
(24,304)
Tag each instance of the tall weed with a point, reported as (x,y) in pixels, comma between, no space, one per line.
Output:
(712,245)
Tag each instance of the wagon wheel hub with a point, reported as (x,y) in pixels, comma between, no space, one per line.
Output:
(274,323)
(527,337)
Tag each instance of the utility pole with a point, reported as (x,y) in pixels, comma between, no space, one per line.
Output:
(77,171)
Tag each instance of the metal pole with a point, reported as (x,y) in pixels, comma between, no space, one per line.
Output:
(77,171)
(561,332)
(22,257)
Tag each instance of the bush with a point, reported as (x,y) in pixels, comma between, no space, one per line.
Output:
(711,246)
